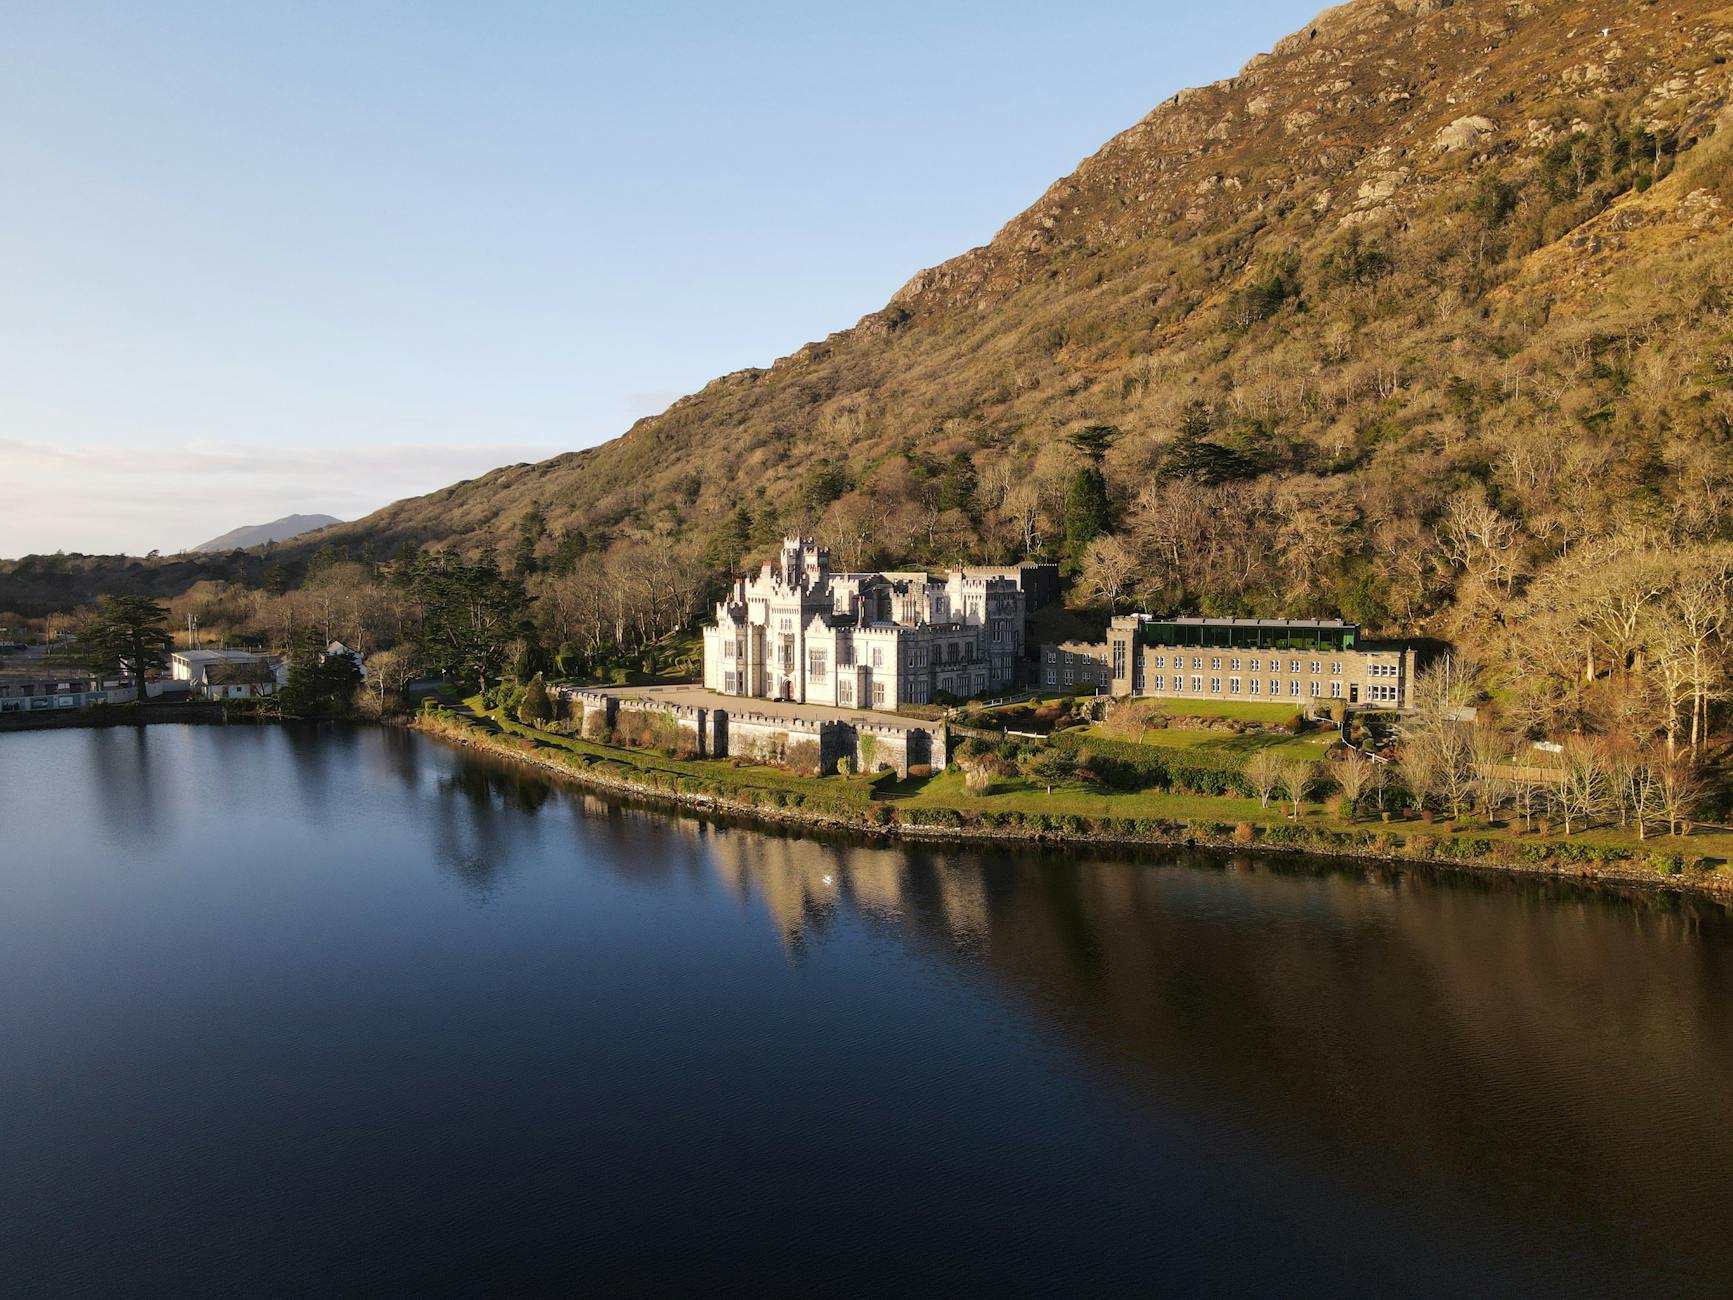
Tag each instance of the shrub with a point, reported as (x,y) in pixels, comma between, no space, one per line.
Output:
(1423,846)
(534,707)
(801,756)
(920,771)
(1668,864)
(845,766)
(1244,833)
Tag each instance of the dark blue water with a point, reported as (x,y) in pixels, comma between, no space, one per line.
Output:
(290,1012)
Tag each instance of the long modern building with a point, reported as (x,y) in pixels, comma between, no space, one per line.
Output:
(798,632)
(1305,662)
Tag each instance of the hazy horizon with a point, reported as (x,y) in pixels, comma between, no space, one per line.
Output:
(266,263)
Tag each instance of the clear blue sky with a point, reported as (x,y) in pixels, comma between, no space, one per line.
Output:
(263,258)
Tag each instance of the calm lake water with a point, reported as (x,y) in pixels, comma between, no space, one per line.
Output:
(331,1010)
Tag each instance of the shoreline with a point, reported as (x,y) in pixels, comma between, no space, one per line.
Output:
(1718,887)
(201,713)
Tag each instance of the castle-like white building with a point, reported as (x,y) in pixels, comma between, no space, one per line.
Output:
(799,632)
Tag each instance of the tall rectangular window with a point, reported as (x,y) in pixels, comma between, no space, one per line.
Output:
(1119,659)
(1233,686)
(817,664)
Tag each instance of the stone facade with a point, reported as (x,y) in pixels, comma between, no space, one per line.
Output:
(802,743)
(797,631)
(1073,665)
(1308,663)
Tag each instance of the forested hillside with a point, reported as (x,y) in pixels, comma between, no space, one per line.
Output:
(1423,318)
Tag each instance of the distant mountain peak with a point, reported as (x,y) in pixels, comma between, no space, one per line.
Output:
(278,530)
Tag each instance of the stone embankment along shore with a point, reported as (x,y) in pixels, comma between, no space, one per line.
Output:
(128,715)
(1717,886)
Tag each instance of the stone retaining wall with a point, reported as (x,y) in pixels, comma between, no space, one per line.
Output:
(803,744)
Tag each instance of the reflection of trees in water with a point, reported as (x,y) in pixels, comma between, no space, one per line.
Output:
(1512,1047)
(321,754)
(124,782)
(643,847)
(476,820)
(396,752)
(1389,1026)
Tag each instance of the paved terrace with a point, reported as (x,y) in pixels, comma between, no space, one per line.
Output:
(734,705)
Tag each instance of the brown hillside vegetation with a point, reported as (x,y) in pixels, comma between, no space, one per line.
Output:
(1421,308)
(1420,254)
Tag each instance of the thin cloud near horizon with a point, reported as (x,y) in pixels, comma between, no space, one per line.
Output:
(176,496)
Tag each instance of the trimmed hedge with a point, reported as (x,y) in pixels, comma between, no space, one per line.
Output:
(1126,765)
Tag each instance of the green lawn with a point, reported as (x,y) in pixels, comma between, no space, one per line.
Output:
(1312,745)
(945,790)
(1245,710)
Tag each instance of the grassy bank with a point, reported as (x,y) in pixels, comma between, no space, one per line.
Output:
(940,807)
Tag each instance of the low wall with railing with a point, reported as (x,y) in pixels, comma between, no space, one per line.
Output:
(788,740)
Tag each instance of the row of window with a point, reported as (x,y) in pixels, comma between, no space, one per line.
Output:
(1234,665)
(1382,694)
(1254,687)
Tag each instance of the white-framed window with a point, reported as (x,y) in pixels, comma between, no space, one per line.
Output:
(1068,677)
(1197,661)
(1234,664)
(845,691)
(1256,666)
(1294,687)
(1215,663)
(1160,682)
(1161,661)
(1335,690)
(1275,687)
(1317,689)
(1215,686)
(817,665)
(1255,685)
(1197,684)
(878,657)
(1233,686)
(878,693)
(1317,667)
(1293,665)
(1053,677)
(1336,667)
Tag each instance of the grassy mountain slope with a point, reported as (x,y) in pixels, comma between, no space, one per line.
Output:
(1409,231)
(1395,322)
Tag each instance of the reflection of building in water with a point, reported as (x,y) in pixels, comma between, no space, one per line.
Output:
(798,881)
(801,882)
(875,880)
(963,895)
